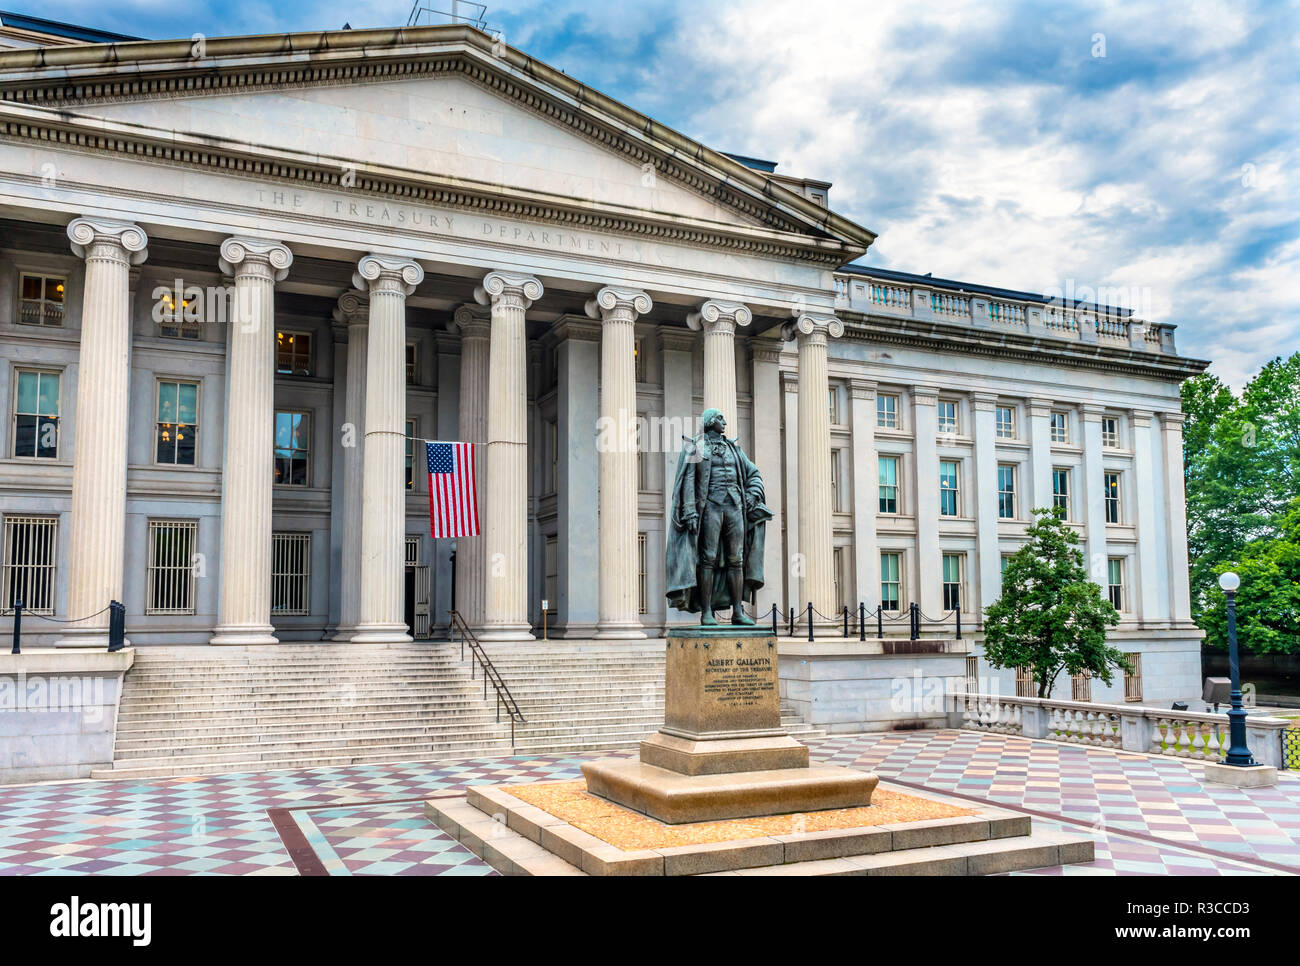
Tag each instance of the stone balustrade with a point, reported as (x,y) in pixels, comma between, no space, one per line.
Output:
(894,298)
(1195,735)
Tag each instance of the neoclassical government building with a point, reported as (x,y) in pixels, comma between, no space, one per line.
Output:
(241,278)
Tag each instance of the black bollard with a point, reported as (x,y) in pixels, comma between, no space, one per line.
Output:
(18,626)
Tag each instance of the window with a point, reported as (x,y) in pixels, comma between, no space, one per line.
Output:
(887,411)
(1002,563)
(888,468)
(28,572)
(412,546)
(1111,492)
(177,426)
(1133,678)
(410,453)
(1110,432)
(41,299)
(1006,422)
(948,488)
(552,562)
(412,364)
(838,564)
(947,417)
(1115,582)
(972,675)
(834,397)
(1081,686)
(1007,491)
(1061,490)
(952,581)
(890,583)
(177,321)
(291,574)
(1060,427)
(555,455)
(292,448)
(293,353)
(1026,687)
(641,571)
(36,415)
(638,362)
(837,480)
(169,584)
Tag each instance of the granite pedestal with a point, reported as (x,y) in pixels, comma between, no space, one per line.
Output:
(722,752)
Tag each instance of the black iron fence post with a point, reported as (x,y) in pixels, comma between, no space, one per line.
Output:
(958,613)
(116,626)
(846,620)
(18,626)
(880,621)
(916,620)
(791,634)
(862,621)
(774,620)
(810,627)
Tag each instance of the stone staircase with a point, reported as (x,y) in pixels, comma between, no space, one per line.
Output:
(204,711)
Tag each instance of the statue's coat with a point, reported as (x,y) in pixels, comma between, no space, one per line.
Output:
(690,490)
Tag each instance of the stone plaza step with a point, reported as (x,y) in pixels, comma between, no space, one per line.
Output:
(197,710)
(520,839)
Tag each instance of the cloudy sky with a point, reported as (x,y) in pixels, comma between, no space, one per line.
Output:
(1142,147)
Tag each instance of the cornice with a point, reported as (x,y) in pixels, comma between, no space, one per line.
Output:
(939,336)
(106,73)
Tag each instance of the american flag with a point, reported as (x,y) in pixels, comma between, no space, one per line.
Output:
(453,490)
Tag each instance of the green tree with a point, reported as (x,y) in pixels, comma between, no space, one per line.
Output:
(1242,474)
(1268,601)
(1051,617)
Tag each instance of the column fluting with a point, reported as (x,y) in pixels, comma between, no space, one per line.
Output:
(719,320)
(98,525)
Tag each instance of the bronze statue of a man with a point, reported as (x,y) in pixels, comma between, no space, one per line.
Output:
(715,543)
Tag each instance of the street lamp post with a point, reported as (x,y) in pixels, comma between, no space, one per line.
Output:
(1238,753)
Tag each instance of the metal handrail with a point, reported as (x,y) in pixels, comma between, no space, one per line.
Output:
(490,673)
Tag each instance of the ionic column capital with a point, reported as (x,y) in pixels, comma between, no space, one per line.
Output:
(353,308)
(720,316)
(811,328)
(246,256)
(127,237)
(387,272)
(619,304)
(509,286)
(472,322)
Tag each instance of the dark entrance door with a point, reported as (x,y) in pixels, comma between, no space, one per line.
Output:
(408,605)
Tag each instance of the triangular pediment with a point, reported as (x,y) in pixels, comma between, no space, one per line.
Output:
(422,112)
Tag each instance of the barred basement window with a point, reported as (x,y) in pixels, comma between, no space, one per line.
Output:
(1133,680)
(1025,685)
(169,584)
(30,544)
(972,675)
(641,569)
(291,573)
(552,562)
(412,551)
(41,301)
(1081,686)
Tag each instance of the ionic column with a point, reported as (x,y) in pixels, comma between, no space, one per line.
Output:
(389,280)
(617,309)
(815,509)
(247,472)
(718,320)
(505,607)
(97,538)
(475,336)
(354,310)
(1094,482)
(1180,606)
